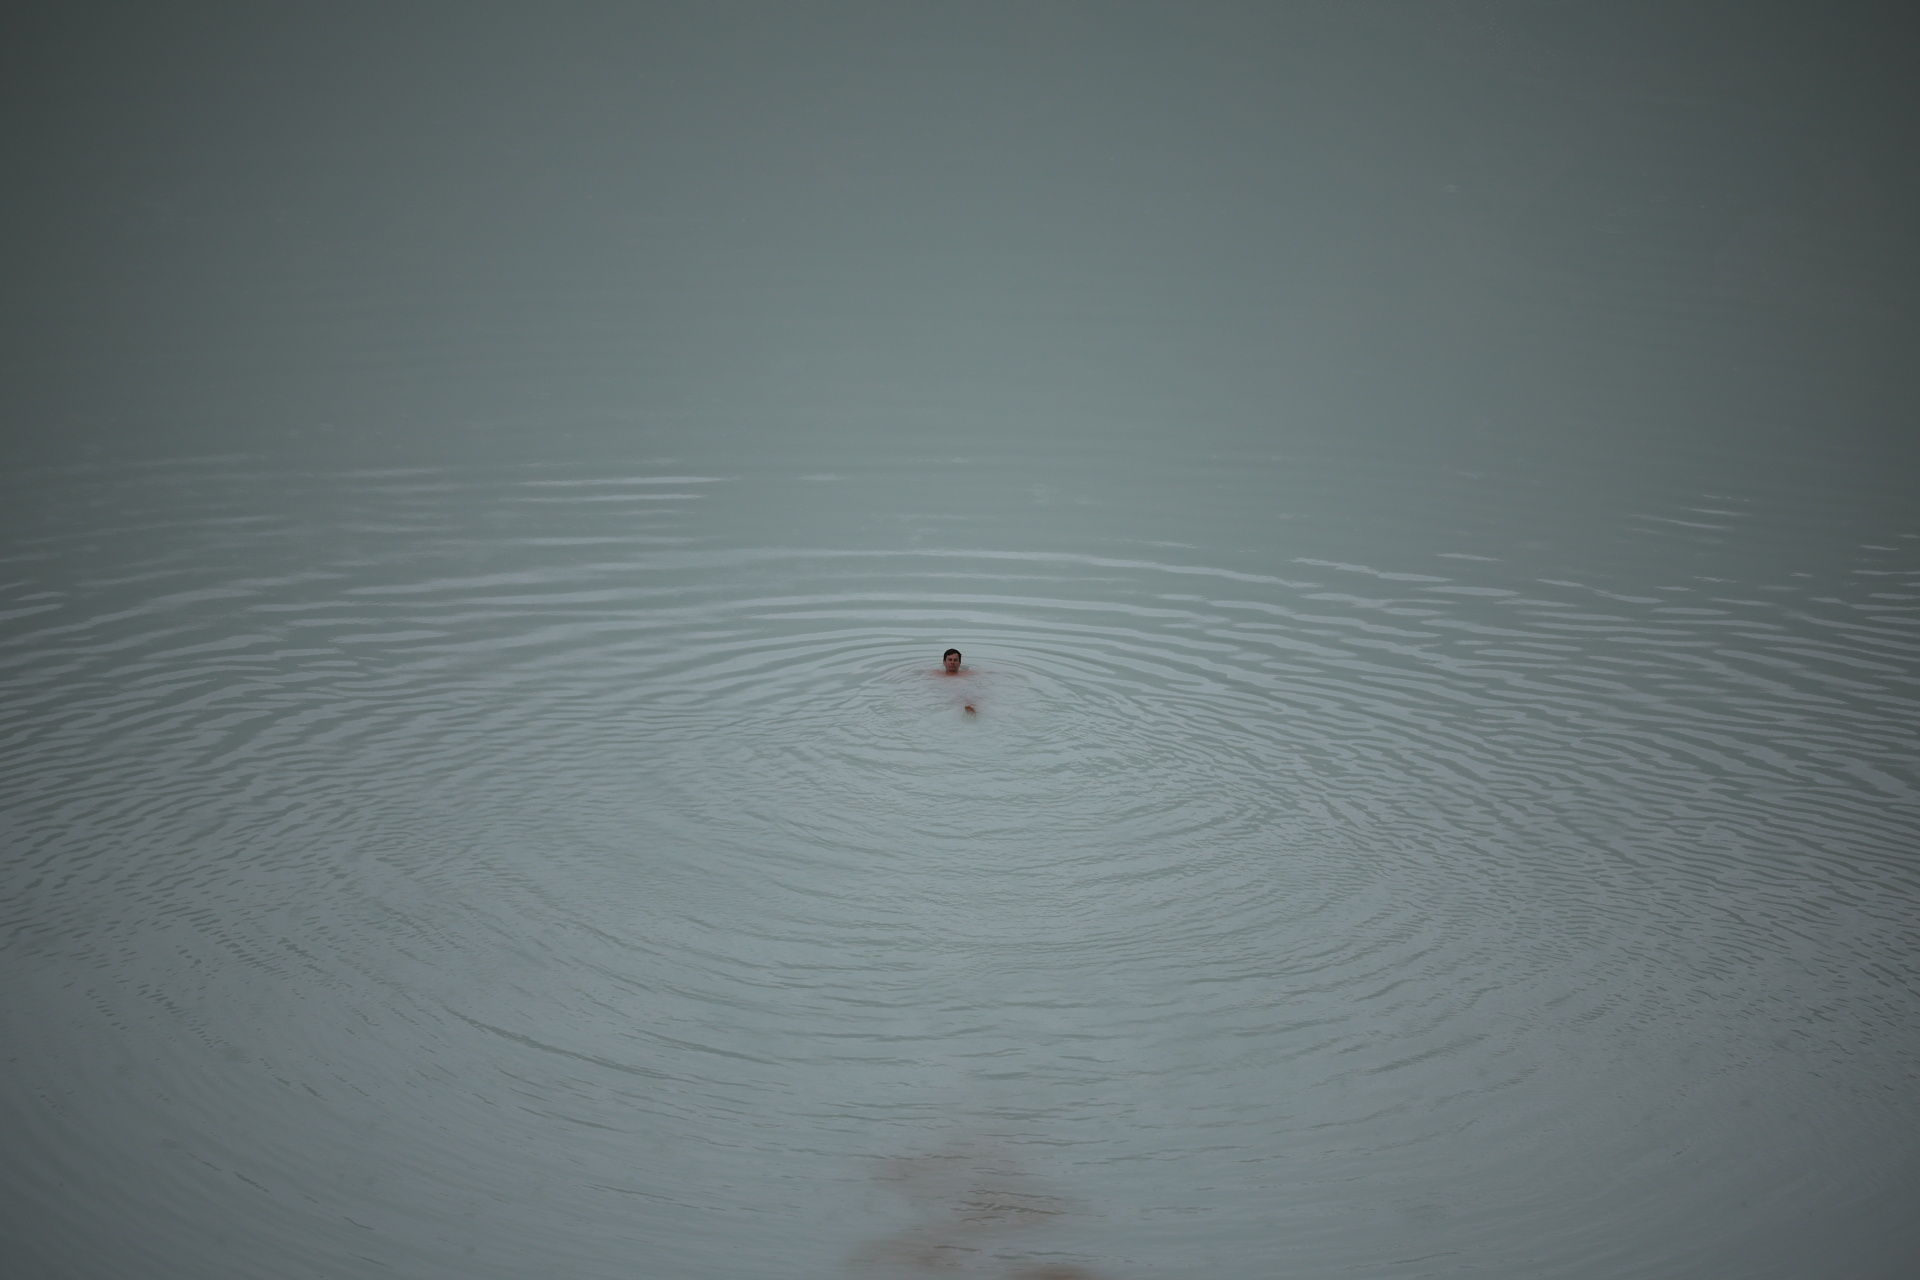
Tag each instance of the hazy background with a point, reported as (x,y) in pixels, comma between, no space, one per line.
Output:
(1565,226)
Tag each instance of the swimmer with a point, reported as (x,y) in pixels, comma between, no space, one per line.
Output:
(950,666)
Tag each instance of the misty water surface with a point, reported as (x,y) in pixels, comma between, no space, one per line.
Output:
(1424,492)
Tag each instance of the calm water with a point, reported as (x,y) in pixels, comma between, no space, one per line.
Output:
(1425,504)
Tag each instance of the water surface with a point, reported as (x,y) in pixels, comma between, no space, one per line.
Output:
(1427,503)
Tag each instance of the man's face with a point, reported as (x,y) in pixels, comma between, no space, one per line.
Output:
(952,662)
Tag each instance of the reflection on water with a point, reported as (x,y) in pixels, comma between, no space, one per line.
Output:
(978,1209)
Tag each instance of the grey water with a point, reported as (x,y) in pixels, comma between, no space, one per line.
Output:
(1425,494)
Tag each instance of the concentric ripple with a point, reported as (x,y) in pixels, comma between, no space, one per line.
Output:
(532,871)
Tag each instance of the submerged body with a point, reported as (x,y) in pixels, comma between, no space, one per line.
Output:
(950,666)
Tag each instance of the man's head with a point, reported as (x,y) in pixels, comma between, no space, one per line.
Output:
(950,660)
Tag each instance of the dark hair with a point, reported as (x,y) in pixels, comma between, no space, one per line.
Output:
(951,653)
